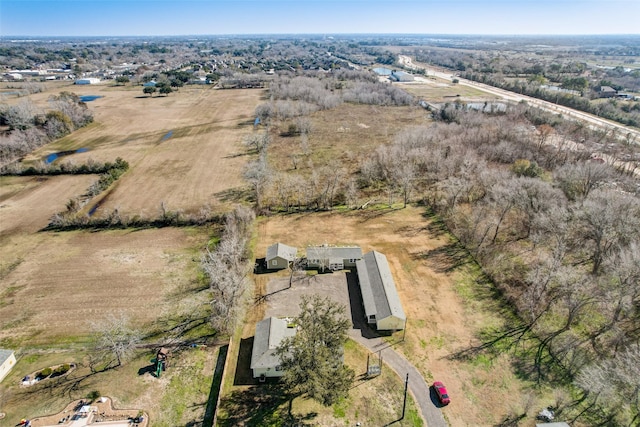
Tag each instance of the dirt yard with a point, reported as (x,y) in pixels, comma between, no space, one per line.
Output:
(284,301)
(441,320)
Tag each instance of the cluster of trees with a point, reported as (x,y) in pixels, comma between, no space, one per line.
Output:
(30,127)
(72,219)
(557,233)
(91,166)
(553,228)
(526,76)
(300,95)
(163,88)
(625,112)
(227,268)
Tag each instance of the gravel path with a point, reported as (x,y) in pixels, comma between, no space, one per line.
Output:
(425,399)
(420,390)
(283,300)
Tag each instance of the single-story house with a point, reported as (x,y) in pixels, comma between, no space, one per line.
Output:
(270,332)
(279,256)
(88,81)
(333,258)
(400,76)
(7,362)
(382,304)
(150,83)
(606,92)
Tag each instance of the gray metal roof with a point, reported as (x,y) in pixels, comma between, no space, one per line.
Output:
(269,334)
(4,355)
(281,250)
(329,252)
(379,292)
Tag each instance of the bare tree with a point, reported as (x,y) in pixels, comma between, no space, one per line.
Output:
(257,141)
(227,268)
(616,382)
(607,221)
(116,341)
(258,173)
(577,180)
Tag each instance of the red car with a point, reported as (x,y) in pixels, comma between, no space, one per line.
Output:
(441,391)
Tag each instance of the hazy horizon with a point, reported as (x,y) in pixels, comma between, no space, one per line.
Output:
(119,18)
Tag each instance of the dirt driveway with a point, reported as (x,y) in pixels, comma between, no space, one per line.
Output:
(284,301)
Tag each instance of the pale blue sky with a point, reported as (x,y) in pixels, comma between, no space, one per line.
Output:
(212,17)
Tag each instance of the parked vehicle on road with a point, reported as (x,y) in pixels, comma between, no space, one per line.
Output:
(441,392)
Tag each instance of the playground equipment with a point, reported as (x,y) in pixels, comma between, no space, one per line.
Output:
(161,362)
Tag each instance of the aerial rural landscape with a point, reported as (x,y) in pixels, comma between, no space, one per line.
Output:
(318,229)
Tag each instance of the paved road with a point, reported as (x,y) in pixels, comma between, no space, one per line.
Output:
(362,334)
(623,131)
(431,414)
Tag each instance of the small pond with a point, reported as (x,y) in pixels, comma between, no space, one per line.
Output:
(89,98)
(167,136)
(54,156)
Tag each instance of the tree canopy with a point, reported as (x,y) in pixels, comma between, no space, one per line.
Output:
(312,360)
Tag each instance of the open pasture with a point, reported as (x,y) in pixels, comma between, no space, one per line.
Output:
(27,203)
(56,284)
(183,149)
(437,91)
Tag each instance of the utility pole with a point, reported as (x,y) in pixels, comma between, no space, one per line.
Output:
(404,404)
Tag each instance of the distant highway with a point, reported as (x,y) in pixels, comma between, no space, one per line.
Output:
(595,121)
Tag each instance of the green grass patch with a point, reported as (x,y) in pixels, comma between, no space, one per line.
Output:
(184,399)
(437,342)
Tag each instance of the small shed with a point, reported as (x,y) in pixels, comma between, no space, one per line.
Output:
(7,362)
(400,76)
(269,334)
(88,81)
(381,301)
(607,92)
(85,410)
(279,256)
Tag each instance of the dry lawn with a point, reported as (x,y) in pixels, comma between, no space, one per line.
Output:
(184,149)
(442,317)
(435,91)
(27,203)
(56,284)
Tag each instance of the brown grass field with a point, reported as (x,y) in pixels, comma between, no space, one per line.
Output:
(184,149)
(54,284)
(441,91)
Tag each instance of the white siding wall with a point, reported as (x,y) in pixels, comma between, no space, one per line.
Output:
(7,366)
(390,323)
(268,372)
